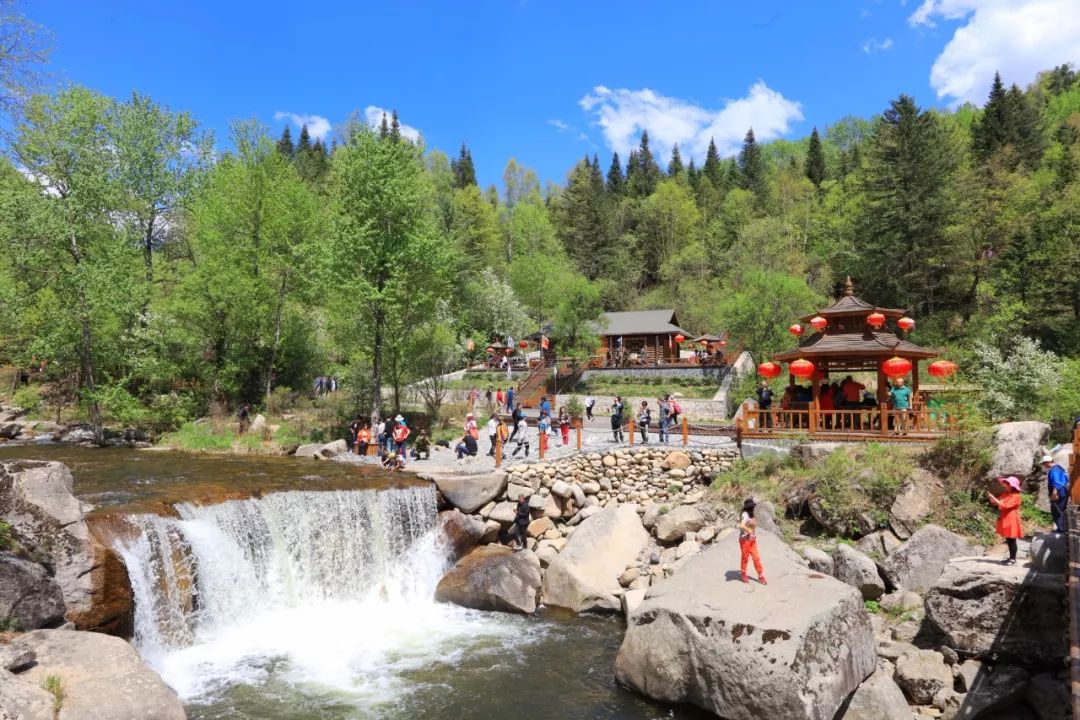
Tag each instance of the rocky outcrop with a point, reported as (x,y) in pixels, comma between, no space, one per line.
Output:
(29,598)
(921,674)
(913,503)
(852,567)
(102,677)
(818,560)
(322,451)
(878,698)
(1012,613)
(585,575)
(493,577)
(462,532)
(673,525)
(469,493)
(794,649)
(1017,447)
(917,564)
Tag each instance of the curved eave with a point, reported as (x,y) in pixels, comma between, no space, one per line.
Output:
(889,313)
(854,346)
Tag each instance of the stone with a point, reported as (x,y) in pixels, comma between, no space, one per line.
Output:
(102,676)
(652,514)
(917,564)
(677,460)
(78,434)
(706,534)
(877,545)
(590,487)
(493,577)
(513,491)
(901,601)
(609,461)
(469,493)
(1048,696)
(492,529)
(703,638)
(966,674)
(1017,447)
(461,532)
(674,524)
(818,560)
(921,674)
(878,698)
(1049,552)
(1007,612)
(309,450)
(676,474)
(914,502)
(504,512)
(561,488)
(686,549)
(992,689)
(857,570)
(631,600)
(258,424)
(585,576)
(537,502)
(539,527)
(10,430)
(629,575)
(892,650)
(29,598)
(552,509)
(546,552)
(578,494)
(812,452)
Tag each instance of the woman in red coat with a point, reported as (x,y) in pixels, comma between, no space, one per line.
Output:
(1008,505)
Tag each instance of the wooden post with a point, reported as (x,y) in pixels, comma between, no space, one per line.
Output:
(543,444)
(685,431)
(883,410)
(577,426)
(631,428)
(1074,460)
(498,450)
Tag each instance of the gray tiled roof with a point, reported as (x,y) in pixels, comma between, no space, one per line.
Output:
(640,322)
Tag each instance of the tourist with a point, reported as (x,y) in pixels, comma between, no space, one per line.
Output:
(826,405)
(644,418)
(493,432)
(380,435)
(354,430)
(590,403)
(471,427)
(243,416)
(545,405)
(764,403)
(1008,505)
(509,399)
(499,399)
(900,395)
(401,436)
(564,425)
(676,411)
(617,419)
(544,425)
(390,461)
(466,446)
(1057,487)
(853,397)
(748,542)
(516,417)
(488,396)
(519,532)
(363,438)
(521,431)
(502,436)
(422,447)
(665,418)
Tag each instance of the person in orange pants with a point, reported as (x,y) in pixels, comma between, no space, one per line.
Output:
(748,542)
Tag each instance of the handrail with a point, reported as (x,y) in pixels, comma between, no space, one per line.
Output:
(1072,545)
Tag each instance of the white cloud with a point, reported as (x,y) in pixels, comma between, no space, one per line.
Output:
(1019,38)
(374,116)
(622,114)
(873,45)
(558,125)
(317,126)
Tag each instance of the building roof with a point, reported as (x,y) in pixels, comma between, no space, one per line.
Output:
(849,305)
(855,344)
(639,322)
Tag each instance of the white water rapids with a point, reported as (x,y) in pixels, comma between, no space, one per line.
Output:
(326,590)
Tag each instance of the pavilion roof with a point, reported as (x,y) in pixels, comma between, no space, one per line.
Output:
(849,306)
(854,345)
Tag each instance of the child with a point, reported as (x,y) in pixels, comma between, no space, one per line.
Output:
(748,542)
(363,437)
(1008,505)
(564,425)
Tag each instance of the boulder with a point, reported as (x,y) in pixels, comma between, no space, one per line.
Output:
(862,524)
(258,424)
(309,450)
(1049,552)
(1004,612)
(514,491)
(469,493)
(914,502)
(1048,696)
(504,512)
(21,700)
(585,575)
(993,689)
(901,601)
(332,449)
(562,489)
(631,600)
(857,570)
(676,460)
(462,532)
(493,577)
(818,560)
(917,564)
(675,523)
(29,598)
(1017,447)
(794,649)
(765,514)
(540,526)
(10,430)
(102,677)
(811,452)
(878,698)
(878,544)
(652,514)
(921,674)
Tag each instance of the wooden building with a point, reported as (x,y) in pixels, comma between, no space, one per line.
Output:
(647,335)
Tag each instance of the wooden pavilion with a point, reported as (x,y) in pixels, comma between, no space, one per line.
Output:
(851,336)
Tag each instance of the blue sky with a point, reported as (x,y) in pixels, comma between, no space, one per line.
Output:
(547,82)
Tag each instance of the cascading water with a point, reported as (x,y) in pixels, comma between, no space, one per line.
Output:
(319,589)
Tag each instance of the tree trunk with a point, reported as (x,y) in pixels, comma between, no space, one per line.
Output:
(277,336)
(148,250)
(86,353)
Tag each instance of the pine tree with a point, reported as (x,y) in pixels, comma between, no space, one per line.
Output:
(990,132)
(1060,79)
(582,219)
(752,166)
(285,144)
(693,175)
(304,144)
(712,168)
(395,127)
(675,166)
(815,160)
(462,167)
(648,172)
(616,183)
(633,167)
(1025,129)
(384,128)
(1008,119)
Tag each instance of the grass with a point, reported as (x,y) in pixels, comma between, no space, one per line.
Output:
(54,685)
(5,536)
(207,436)
(648,390)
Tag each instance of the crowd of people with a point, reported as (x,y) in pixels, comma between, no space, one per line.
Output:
(387,440)
(836,401)
(324,385)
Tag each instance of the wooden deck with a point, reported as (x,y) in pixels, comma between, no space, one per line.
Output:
(868,424)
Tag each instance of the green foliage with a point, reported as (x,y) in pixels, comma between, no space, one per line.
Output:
(5,536)
(854,485)
(1017,382)
(27,397)
(202,436)
(54,685)
(574,407)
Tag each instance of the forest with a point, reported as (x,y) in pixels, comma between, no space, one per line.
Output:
(147,272)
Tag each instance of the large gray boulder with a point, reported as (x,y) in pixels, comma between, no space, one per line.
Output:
(857,570)
(1049,552)
(914,502)
(29,598)
(461,532)
(917,564)
(1003,612)
(674,524)
(493,577)
(102,677)
(996,688)
(1017,447)
(585,575)
(878,698)
(921,674)
(469,493)
(794,649)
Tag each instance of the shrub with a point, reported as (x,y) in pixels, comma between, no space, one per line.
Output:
(850,485)
(54,685)
(281,399)
(5,536)
(1017,382)
(27,397)
(574,407)
(200,436)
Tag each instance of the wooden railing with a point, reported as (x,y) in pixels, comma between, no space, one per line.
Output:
(863,423)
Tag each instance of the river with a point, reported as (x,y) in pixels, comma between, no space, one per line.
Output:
(293,589)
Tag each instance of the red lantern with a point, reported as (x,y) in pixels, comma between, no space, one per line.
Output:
(802,369)
(942,368)
(722,343)
(768,369)
(795,330)
(489,349)
(679,338)
(896,367)
(906,324)
(819,323)
(876,320)
(523,344)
